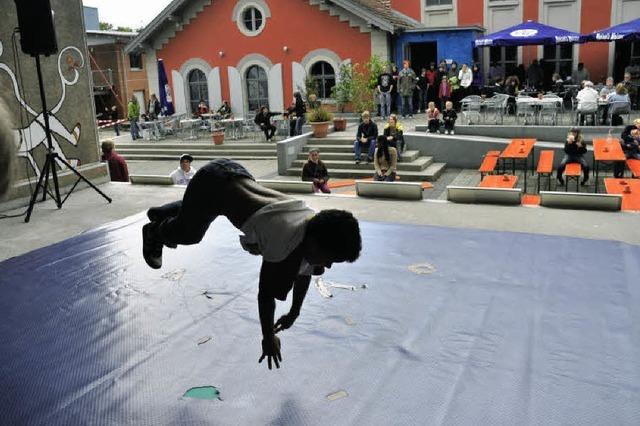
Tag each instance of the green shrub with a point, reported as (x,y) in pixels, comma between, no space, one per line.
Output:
(319,115)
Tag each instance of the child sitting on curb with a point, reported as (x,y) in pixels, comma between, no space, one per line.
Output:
(433,118)
(449,117)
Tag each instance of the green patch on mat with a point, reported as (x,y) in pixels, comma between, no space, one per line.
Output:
(203,392)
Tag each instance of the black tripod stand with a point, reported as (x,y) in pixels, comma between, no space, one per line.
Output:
(50,162)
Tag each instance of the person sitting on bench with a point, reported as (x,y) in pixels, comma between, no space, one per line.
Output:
(294,241)
(574,150)
(631,148)
(433,118)
(366,136)
(263,119)
(385,161)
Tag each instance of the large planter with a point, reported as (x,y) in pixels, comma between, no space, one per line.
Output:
(340,124)
(320,129)
(218,138)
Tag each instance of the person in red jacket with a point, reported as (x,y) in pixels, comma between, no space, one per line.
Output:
(117,166)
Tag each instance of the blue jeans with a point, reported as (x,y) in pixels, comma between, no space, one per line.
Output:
(186,221)
(407,105)
(135,132)
(299,123)
(385,103)
(357,147)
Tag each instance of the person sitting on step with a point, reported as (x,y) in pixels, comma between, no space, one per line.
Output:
(393,132)
(366,136)
(385,161)
(574,150)
(433,118)
(315,171)
(449,117)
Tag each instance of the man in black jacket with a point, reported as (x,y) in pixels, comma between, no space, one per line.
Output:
(574,149)
(263,119)
(629,140)
(367,135)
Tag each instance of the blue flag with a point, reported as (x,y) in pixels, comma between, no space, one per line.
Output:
(166,100)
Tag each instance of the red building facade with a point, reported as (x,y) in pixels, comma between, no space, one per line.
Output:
(254,52)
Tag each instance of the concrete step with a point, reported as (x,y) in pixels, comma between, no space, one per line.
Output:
(196,146)
(415,166)
(430,174)
(151,157)
(198,152)
(332,141)
(326,155)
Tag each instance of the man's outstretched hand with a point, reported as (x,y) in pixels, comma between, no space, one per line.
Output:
(284,322)
(271,350)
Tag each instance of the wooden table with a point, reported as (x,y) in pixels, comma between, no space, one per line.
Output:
(499,181)
(606,150)
(630,200)
(519,150)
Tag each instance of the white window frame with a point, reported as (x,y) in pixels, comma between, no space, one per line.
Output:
(238,15)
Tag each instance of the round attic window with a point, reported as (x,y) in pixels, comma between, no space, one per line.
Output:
(251,20)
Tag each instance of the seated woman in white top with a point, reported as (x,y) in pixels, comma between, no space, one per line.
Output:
(183,174)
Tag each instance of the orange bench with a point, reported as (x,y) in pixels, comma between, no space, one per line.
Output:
(573,171)
(634,166)
(489,163)
(545,167)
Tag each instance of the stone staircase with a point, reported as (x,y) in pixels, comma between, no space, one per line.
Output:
(337,154)
(160,151)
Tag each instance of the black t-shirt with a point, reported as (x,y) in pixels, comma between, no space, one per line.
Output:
(385,81)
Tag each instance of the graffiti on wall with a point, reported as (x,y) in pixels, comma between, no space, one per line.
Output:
(28,138)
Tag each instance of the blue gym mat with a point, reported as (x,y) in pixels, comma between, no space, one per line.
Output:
(455,327)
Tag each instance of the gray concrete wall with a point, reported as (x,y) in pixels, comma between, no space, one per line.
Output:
(69,95)
(289,149)
(467,152)
(541,133)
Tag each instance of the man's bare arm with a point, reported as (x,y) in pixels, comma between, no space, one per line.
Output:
(300,287)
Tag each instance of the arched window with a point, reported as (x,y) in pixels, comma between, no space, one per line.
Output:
(197,89)
(325,78)
(257,87)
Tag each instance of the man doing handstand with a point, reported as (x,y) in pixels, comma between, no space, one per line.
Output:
(294,241)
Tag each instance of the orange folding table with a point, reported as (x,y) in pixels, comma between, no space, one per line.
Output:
(628,188)
(499,181)
(608,149)
(519,150)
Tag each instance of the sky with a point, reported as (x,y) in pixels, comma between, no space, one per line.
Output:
(127,13)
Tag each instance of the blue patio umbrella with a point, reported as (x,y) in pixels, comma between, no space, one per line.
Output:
(628,31)
(166,100)
(528,33)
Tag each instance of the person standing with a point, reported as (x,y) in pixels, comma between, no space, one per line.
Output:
(154,107)
(432,81)
(581,74)
(385,88)
(315,171)
(113,115)
(406,83)
(118,169)
(183,174)
(466,78)
(394,90)
(477,83)
(534,75)
(300,110)
(423,87)
(133,114)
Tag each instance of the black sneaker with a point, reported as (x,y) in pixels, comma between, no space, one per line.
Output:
(561,181)
(584,182)
(151,247)
(369,160)
(358,161)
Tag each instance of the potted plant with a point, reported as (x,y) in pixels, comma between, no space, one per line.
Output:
(218,137)
(319,119)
